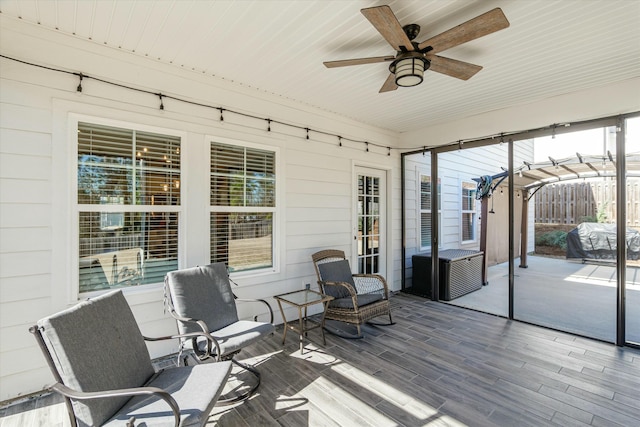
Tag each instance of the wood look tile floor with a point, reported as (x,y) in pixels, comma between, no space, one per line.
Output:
(439,365)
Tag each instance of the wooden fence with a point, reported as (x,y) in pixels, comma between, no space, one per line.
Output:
(573,203)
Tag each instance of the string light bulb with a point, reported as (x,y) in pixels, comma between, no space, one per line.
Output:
(161,103)
(79,88)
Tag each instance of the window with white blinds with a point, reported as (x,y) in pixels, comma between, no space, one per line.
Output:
(128,201)
(243,205)
(469,212)
(426,191)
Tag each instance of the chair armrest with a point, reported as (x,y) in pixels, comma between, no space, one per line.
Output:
(204,331)
(370,283)
(347,286)
(255,318)
(80,395)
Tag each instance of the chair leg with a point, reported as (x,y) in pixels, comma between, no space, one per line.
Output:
(341,334)
(248,393)
(391,322)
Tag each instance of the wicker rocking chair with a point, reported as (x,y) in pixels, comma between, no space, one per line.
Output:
(358,297)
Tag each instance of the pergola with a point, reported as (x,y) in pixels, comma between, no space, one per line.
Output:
(530,177)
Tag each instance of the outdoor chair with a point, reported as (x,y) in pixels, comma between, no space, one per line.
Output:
(200,299)
(358,298)
(102,367)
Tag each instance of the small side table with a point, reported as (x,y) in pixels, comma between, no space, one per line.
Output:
(303,299)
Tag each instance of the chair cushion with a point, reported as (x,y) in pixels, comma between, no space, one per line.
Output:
(203,293)
(195,389)
(336,271)
(361,299)
(97,345)
(238,335)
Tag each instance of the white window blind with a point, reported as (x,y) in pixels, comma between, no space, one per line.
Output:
(243,205)
(426,192)
(469,213)
(128,196)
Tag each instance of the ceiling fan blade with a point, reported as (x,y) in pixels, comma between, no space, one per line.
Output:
(487,23)
(389,84)
(453,67)
(358,61)
(383,19)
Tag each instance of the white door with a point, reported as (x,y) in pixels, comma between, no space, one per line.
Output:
(368,250)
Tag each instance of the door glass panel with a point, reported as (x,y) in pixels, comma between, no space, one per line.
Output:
(632,294)
(465,249)
(570,281)
(368,224)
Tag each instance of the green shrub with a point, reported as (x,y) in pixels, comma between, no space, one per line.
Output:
(552,238)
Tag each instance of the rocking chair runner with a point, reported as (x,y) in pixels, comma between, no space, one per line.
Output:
(102,368)
(358,297)
(200,299)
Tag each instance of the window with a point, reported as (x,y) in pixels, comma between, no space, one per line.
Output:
(128,206)
(425,210)
(243,206)
(469,213)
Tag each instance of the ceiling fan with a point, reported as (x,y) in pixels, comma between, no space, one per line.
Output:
(413,59)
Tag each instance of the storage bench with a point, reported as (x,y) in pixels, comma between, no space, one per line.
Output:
(460,273)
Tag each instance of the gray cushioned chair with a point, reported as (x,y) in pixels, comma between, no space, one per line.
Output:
(200,299)
(358,298)
(100,361)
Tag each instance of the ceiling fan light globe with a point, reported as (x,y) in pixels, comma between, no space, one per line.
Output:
(409,71)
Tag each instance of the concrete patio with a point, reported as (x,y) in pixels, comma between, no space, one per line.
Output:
(561,294)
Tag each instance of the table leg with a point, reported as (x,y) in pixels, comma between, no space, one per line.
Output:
(300,319)
(284,320)
(324,310)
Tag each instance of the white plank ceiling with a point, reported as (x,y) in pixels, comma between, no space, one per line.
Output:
(551,48)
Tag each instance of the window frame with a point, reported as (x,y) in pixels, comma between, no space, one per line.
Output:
(275,210)
(473,212)
(76,208)
(420,211)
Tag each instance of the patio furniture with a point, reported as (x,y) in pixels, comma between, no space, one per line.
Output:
(358,298)
(302,300)
(200,299)
(102,368)
(460,273)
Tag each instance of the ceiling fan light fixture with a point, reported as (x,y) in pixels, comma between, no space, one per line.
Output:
(409,70)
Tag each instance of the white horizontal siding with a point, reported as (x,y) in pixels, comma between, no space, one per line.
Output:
(35,166)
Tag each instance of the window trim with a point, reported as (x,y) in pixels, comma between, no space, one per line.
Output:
(75,207)
(277,210)
(473,212)
(420,173)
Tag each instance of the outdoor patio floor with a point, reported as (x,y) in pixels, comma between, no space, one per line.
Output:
(439,365)
(560,294)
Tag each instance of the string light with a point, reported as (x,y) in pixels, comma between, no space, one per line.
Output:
(307,129)
(82,76)
(389,151)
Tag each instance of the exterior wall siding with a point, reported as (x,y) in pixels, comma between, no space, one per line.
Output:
(316,204)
